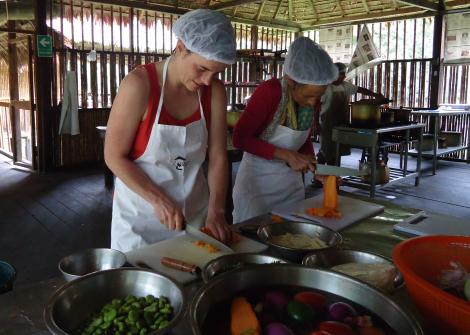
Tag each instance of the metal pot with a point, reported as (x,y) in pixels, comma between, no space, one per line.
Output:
(76,301)
(387,117)
(227,285)
(331,258)
(231,262)
(267,230)
(365,114)
(382,172)
(401,115)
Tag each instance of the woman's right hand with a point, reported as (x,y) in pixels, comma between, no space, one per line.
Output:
(168,212)
(296,161)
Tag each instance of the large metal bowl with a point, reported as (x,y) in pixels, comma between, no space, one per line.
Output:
(333,257)
(267,230)
(227,285)
(231,262)
(90,260)
(74,303)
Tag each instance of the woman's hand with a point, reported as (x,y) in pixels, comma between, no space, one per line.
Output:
(168,212)
(219,228)
(295,160)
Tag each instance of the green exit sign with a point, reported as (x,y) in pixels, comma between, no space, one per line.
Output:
(44,43)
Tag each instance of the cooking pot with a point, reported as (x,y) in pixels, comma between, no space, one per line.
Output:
(382,172)
(365,114)
(401,115)
(387,117)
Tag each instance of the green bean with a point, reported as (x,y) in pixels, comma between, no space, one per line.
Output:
(129,315)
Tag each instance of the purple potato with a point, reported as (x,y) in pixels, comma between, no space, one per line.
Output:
(275,300)
(340,310)
(277,328)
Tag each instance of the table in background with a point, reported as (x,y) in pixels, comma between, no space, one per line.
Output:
(369,139)
(437,115)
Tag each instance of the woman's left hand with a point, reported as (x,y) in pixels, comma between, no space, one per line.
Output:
(219,227)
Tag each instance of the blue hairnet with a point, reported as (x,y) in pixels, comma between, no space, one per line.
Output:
(207,33)
(307,63)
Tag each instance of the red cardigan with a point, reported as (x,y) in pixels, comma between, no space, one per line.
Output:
(258,113)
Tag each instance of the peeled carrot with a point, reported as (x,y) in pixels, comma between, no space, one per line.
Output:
(330,193)
(243,318)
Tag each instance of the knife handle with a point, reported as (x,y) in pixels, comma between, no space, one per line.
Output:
(178,265)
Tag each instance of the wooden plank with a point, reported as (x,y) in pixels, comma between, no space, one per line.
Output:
(230,4)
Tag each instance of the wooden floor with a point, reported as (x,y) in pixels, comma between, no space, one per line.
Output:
(45,217)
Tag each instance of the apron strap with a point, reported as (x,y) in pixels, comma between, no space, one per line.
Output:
(162,94)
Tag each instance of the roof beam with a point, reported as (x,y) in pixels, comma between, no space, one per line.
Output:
(314,10)
(229,4)
(425,4)
(143,5)
(364,18)
(260,10)
(340,8)
(291,10)
(366,6)
(278,24)
(277,8)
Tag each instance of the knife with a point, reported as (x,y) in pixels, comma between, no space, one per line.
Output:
(199,235)
(332,170)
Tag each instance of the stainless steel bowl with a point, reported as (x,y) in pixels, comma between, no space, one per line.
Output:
(231,262)
(90,260)
(74,303)
(267,230)
(333,257)
(227,285)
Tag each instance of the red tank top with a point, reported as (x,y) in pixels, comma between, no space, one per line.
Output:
(145,127)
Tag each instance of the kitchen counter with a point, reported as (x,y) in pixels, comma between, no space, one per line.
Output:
(21,310)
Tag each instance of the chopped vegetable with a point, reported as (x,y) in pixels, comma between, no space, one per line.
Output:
(243,318)
(129,315)
(211,248)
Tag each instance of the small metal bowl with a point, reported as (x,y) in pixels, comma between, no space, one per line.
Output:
(75,302)
(91,260)
(231,262)
(333,257)
(267,230)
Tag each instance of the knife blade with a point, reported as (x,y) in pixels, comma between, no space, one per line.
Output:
(332,170)
(199,235)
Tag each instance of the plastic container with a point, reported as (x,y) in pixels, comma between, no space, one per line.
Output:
(7,277)
(421,261)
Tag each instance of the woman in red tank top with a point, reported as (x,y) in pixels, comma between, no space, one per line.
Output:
(161,108)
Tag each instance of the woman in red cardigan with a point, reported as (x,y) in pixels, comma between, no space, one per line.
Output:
(274,131)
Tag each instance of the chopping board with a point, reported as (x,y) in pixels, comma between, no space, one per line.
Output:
(352,210)
(435,224)
(182,247)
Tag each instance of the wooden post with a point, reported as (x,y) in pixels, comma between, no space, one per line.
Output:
(43,74)
(436,56)
(14,94)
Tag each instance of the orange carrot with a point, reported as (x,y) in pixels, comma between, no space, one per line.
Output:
(243,318)
(330,193)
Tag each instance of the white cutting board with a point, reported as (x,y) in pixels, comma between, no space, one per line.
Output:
(435,224)
(352,210)
(182,247)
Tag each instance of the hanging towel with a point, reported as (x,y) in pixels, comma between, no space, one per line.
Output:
(69,114)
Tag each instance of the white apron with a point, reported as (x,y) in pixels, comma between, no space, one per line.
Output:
(173,160)
(263,185)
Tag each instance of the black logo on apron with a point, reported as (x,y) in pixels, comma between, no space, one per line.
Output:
(180,163)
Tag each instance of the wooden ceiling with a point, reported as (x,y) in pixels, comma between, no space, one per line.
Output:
(300,15)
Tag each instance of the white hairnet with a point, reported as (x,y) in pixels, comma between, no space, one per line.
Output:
(307,63)
(208,33)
